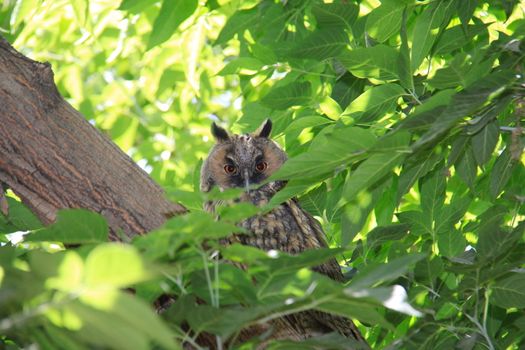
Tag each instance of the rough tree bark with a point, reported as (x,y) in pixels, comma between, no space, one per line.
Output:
(52,158)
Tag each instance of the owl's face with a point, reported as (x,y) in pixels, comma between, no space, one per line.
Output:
(241,160)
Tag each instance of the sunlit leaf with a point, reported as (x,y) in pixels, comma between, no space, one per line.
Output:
(289,95)
(74,226)
(374,102)
(342,145)
(426,30)
(114,265)
(379,62)
(171,15)
(369,172)
(385,20)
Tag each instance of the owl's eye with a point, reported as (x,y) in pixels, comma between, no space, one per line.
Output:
(261,166)
(230,169)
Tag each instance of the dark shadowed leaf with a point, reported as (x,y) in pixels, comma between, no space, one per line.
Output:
(466,102)
(509,292)
(466,167)
(484,142)
(412,171)
(341,15)
(501,172)
(433,194)
(451,242)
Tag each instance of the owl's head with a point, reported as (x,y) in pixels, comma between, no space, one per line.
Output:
(241,160)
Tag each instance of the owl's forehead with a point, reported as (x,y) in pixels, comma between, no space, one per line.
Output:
(245,147)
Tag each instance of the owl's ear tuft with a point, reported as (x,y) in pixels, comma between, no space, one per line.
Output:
(219,133)
(264,130)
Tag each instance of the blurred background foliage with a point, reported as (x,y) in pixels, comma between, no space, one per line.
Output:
(403,122)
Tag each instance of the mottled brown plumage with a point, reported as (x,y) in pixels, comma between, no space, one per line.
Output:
(245,160)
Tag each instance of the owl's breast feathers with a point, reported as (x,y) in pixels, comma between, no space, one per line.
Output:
(289,228)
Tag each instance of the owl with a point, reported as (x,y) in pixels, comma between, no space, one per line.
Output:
(243,161)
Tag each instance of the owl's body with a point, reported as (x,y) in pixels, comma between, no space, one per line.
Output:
(245,160)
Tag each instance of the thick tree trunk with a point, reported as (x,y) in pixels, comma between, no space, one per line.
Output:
(52,158)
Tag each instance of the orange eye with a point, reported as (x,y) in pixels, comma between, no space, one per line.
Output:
(230,169)
(260,167)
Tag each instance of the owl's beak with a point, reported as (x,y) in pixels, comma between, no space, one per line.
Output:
(246,180)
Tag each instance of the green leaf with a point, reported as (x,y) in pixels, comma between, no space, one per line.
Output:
(337,149)
(135,6)
(433,195)
(172,14)
(326,341)
(356,212)
(293,94)
(240,21)
(466,167)
(374,275)
(114,265)
(321,44)
(314,201)
(374,102)
(392,142)
(419,225)
(509,292)
(385,20)
(19,218)
(242,66)
(305,122)
(369,172)
(464,103)
(494,241)
(73,226)
(484,142)
(456,37)
(465,11)
(428,270)
(426,30)
(330,108)
(384,234)
(413,170)
(335,14)
(378,62)
(351,306)
(451,242)
(452,213)
(403,61)
(501,172)
(427,113)
(450,77)
(142,318)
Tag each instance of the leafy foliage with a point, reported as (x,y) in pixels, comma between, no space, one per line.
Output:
(402,120)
